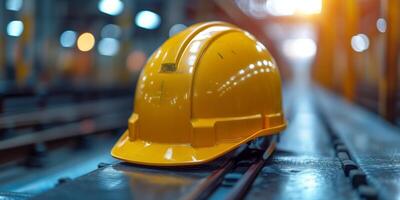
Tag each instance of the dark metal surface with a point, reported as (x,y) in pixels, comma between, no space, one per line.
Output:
(304,165)
(67,162)
(308,163)
(126,181)
(123,181)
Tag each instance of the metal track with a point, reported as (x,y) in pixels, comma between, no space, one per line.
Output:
(88,126)
(351,169)
(213,181)
(65,114)
(244,184)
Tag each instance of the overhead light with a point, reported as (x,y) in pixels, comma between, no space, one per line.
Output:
(254,8)
(262,8)
(68,38)
(14,5)
(111,7)
(309,7)
(280,7)
(360,42)
(176,28)
(85,42)
(108,46)
(299,48)
(147,20)
(15,28)
(292,7)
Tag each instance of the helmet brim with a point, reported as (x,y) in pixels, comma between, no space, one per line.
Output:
(156,154)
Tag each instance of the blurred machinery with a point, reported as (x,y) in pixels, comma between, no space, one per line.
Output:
(68,69)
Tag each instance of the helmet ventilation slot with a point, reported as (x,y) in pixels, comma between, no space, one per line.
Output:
(168,68)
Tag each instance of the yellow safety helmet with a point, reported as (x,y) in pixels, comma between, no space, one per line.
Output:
(204,92)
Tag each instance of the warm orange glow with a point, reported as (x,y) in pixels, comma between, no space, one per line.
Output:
(86,42)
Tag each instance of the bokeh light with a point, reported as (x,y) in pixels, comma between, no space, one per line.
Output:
(291,7)
(280,7)
(68,38)
(14,5)
(260,9)
(136,60)
(86,42)
(360,42)
(381,25)
(108,46)
(111,7)
(176,28)
(111,30)
(309,7)
(147,20)
(299,48)
(15,28)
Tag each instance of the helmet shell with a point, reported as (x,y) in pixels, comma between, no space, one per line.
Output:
(205,91)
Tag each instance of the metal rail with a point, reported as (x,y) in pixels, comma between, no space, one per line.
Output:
(88,126)
(351,169)
(208,186)
(64,114)
(244,184)
(213,181)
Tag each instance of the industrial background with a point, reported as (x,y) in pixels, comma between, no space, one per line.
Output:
(68,71)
